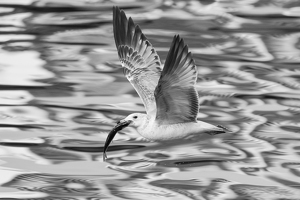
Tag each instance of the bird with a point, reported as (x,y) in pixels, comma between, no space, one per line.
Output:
(167,91)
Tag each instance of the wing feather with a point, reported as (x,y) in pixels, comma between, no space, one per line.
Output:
(176,96)
(139,59)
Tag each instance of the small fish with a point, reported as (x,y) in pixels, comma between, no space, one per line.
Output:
(119,126)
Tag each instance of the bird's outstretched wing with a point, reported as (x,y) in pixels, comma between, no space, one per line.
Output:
(176,96)
(138,57)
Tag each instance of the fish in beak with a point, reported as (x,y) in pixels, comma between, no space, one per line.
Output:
(119,126)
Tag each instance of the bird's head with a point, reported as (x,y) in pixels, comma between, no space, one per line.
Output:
(135,119)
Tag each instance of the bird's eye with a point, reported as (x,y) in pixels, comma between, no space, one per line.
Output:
(135,117)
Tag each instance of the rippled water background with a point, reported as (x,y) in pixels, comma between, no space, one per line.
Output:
(62,90)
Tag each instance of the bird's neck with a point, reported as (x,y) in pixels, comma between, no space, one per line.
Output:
(148,121)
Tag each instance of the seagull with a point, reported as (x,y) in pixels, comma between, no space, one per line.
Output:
(167,92)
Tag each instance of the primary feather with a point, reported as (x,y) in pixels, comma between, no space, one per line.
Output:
(176,96)
(138,57)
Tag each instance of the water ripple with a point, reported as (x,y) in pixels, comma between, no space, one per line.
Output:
(62,90)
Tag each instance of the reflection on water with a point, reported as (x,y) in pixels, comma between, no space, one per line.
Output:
(62,90)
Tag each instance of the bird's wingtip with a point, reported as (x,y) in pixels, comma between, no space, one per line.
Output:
(115,8)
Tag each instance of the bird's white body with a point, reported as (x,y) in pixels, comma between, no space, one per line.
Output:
(155,132)
(152,130)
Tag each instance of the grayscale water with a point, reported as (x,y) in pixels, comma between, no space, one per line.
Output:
(62,89)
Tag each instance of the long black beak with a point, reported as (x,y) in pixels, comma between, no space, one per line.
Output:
(120,125)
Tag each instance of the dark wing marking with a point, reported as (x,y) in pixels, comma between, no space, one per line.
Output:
(176,96)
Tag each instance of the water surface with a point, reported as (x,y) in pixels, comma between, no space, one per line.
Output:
(62,89)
